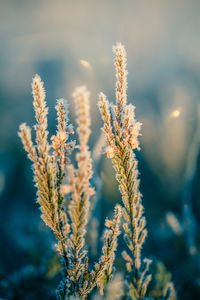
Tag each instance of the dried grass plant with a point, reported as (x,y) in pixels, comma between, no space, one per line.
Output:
(64,190)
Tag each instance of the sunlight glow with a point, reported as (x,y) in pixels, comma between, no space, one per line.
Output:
(176,113)
(85,64)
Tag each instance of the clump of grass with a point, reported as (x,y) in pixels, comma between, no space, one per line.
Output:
(121,132)
(52,168)
(58,179)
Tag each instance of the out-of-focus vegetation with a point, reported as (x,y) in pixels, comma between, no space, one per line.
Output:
(68,44)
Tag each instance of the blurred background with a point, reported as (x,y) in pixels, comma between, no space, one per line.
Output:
(69,43)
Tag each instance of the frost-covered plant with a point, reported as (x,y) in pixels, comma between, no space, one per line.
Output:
(121,132)
(64,190)
(52,168)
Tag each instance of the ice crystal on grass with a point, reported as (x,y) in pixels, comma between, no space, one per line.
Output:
(57,179)
(55,176)
(121,132)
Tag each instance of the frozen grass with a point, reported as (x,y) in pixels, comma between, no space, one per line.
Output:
(64,191)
